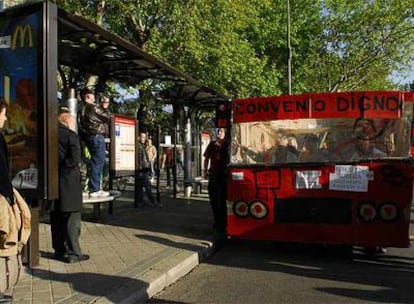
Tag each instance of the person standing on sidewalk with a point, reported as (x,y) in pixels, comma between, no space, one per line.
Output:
(152,155)
(216,159)
(144,169)
(14,222)
(168,163)
(65,215)
(93,121)
(104,103)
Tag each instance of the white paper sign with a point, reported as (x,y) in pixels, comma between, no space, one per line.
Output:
(26,179)
(350,178)
(5,42)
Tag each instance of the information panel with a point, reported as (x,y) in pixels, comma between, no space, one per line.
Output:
(123,139)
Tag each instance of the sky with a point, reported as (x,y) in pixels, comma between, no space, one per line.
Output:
(404,80)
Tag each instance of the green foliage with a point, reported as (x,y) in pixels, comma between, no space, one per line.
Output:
(239,47)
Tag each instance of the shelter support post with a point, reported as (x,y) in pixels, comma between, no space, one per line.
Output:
(33,244)
(187,158)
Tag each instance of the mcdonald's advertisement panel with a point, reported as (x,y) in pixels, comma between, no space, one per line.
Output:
(20,42)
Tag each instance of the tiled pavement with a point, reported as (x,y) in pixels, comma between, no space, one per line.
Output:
(135,253)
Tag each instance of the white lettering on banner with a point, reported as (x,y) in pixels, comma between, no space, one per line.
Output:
(350,178)
(5,42)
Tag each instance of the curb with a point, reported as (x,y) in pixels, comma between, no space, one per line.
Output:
(165,272)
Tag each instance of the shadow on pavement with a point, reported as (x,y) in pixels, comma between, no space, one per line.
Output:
(93,284)
(181,217)
(385,278)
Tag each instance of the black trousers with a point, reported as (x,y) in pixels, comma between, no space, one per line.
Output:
(66,229)
(168,170)
(217,192)
(144,183)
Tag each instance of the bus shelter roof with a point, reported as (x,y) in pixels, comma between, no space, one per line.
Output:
(89,48)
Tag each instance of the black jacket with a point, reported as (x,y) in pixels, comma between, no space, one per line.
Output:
(143,160)
(70,187)
(93,120)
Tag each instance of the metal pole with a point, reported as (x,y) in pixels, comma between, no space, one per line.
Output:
(72,103)
(289,70)
(187,157)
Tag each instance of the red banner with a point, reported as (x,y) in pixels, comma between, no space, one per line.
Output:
(370,104)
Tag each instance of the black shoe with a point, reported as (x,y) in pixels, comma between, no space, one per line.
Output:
(152,205)
(375,250)
(61,257)
(158,204)
(5,299)
(78,258)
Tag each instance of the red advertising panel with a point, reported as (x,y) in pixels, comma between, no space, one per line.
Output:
(330,105)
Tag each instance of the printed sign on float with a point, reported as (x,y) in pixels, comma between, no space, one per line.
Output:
(350,178)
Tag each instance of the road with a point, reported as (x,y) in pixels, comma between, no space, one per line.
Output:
(266,272)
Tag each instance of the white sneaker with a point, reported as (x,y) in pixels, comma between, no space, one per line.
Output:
(104,193)
(99,193)
(95,194)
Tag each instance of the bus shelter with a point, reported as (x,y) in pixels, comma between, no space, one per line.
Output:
(40,41)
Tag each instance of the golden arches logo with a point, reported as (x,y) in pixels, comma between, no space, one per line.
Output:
(20,33)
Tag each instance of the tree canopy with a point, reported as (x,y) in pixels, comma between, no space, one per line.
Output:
(239,47)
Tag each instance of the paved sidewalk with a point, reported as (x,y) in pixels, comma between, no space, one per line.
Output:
(135,253)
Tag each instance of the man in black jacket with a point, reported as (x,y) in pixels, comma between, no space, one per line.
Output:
(144,170)
(65,216)
(93,121)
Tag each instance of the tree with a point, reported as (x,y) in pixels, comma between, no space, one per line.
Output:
(239,47)
(364,42)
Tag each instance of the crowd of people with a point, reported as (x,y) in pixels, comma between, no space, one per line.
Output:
(313,148)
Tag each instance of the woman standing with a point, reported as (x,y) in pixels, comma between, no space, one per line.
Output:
(152,155)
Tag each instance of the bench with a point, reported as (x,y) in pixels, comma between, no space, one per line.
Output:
(96,201)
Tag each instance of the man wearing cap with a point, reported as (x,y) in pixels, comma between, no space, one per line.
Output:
(93,120)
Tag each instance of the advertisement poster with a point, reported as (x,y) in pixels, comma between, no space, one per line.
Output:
(19,45)
(124,142)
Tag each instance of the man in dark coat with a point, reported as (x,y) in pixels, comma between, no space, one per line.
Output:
(65,216)
(216,159)
(144,169)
